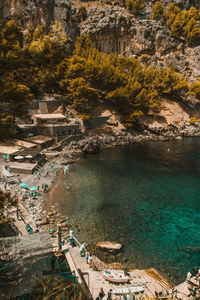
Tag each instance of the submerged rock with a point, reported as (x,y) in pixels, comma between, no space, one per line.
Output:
(110,246)
(116,265)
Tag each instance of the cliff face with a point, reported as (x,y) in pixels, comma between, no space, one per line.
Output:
(42,12)
(113,29)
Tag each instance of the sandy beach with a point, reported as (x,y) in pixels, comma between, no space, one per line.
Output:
(38,198)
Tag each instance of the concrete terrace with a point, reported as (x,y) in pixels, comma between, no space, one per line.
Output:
(149,279)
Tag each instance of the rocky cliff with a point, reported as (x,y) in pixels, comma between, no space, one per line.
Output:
(112,29)
(40,12)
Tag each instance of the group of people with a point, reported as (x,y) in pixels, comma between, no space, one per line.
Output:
(89,260)
(83,251)
(86,254)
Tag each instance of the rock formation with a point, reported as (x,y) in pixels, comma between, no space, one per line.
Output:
(39,12)
(112,28)
(109,246)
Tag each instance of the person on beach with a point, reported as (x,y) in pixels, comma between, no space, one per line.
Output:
(101,294)
(89,260)
(189,276)
(82,249)
(109,294)
(86,256)
(29,229)
(71,237)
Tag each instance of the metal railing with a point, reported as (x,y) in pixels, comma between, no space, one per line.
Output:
(67,237)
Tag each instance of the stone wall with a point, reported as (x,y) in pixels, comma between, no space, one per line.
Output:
(63,129)
(96,122)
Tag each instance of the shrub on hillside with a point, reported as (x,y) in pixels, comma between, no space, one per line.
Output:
(183,23)
(82,13)
(135,6)
(195,88)
(158,11)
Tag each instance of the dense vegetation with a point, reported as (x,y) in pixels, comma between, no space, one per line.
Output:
(37,62)
(182,24)
(135,6)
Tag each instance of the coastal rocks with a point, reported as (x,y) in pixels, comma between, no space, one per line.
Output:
(91,147)
(43,222)
(109,246)
(116,266)
(100,265)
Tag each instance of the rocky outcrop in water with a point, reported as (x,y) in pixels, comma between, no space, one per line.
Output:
(109,246)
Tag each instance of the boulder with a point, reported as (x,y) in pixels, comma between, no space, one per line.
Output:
(110,246)
(43,222)
(91,147)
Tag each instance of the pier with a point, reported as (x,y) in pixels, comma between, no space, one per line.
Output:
(151,280)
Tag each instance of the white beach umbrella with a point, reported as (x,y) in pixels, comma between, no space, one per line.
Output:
(29,156)
(19,157)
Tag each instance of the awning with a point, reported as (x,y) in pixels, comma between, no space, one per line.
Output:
(29,156)
(19,157)
(33,188)
(24,185)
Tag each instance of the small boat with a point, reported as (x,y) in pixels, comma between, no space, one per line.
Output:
(129,290)
(115,276)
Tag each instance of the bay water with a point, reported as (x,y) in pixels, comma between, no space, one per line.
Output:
(146,197)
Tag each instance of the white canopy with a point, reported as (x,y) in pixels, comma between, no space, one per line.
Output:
(19,157)
(29,156)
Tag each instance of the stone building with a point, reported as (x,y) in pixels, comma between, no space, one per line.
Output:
(7,152)
(54,125)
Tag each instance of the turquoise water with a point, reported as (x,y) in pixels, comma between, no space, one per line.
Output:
(145,196)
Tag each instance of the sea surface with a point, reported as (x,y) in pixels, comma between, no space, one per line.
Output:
(144,196)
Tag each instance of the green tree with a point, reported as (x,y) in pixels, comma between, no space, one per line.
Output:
(135,6)
(81,94)
(195,89)
(158,11)
(183,24)
(43,53)
(82,13)
(14,93)
(83,46)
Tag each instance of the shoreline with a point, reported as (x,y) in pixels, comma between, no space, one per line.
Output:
(48,220)
(72,153)
(69,155)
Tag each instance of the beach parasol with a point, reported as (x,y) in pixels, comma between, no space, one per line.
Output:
(23,185)
(33,188)
(19,157)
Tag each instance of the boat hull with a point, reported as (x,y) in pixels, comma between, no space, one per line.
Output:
(115,276)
